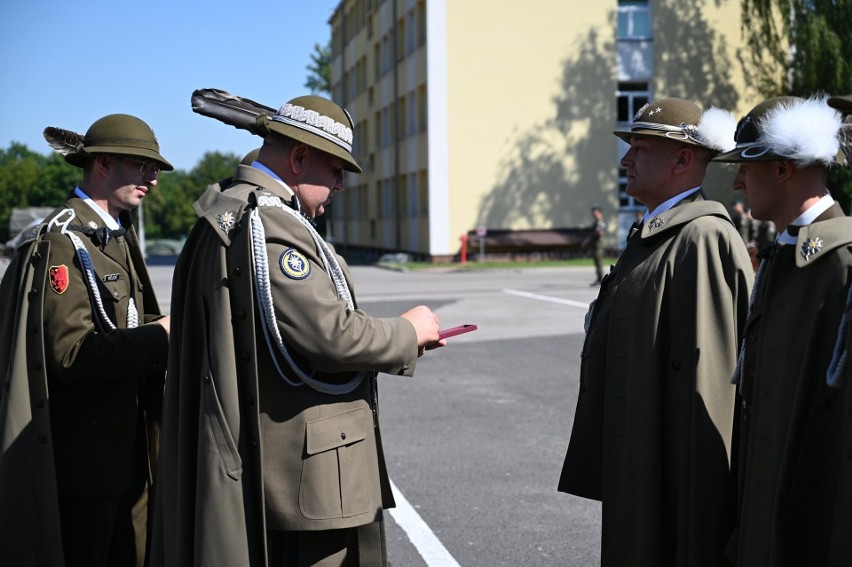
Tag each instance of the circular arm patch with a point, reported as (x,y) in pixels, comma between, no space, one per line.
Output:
(294,264)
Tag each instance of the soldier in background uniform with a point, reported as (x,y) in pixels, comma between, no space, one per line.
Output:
(793,428)
(271,452)
(652,430)
(84,349)
(595,240)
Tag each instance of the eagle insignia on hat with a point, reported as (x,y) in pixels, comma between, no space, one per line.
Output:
(58,278)
(810,247)
(656,222)
(294,264)
(226,220)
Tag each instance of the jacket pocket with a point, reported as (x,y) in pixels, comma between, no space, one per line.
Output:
(337,475)
(218,432)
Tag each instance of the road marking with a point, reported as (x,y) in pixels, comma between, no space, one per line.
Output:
(430,548)
(529,295)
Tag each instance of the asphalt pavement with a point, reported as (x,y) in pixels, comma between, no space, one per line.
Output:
(475,440)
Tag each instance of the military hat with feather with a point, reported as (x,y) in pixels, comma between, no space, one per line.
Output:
(312,120)
(119,134)
(683,121)
(806,131)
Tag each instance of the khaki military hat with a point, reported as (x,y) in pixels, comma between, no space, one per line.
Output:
(805,131)
(683,121)
(119,134)
(317,122)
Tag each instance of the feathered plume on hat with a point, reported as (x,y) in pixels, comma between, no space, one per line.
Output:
(63,141)
(806,131)
(716,129)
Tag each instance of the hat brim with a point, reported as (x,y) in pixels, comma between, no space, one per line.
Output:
(842,103)
(750,154)
(315,141)
(673,136)
(80,159)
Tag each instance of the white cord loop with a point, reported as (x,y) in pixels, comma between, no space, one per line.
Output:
(266,305)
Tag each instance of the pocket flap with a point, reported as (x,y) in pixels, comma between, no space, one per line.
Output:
(334,431)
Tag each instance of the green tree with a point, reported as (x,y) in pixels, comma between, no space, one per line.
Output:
(319,77)
(799,48)
(30,179)
(168,209)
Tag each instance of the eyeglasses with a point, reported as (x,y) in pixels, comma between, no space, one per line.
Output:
(146,168)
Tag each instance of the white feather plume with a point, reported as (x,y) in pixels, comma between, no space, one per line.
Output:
(805,131)
(716,129)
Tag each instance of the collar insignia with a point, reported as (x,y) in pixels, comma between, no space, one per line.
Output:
(810,247)
(656,222)
(92,224)
(226,220)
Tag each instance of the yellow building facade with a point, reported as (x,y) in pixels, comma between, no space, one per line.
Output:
(499,115)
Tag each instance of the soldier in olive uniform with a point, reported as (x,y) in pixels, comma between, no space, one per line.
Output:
(793,446)
(271,451)
(84,350)
(652,430)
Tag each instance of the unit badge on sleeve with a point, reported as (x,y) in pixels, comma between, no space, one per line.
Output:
(294,264)
(59,278)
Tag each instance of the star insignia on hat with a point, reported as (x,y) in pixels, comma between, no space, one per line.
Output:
(226,220)
(656,222)
(810,247)
(655,111)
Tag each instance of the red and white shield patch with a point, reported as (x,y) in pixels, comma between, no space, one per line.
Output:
(59,278)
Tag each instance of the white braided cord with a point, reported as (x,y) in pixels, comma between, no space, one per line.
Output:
(834,374)
(266,306)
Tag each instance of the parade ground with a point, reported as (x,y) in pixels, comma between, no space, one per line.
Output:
(474,442)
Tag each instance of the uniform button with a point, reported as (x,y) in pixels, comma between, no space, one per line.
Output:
(745,404)
(246,356)
(36,365)
(206,379)
(33,292)
(37,256)
(824,404)
(39,403)
(343,435)
(237,271)
(95,422)
(115,293)
(241,314)
(675,365)
(254,443)
(34,329)
(250,400)
(42,439)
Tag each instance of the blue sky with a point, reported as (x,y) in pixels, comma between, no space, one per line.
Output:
(66,64)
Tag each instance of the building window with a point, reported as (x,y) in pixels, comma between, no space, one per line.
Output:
(630,98)
(634,20)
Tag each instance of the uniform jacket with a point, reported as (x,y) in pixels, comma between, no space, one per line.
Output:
(794,447)
(80,402)
(652,430)
(243,451)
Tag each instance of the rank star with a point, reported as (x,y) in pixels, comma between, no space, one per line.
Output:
(655,111)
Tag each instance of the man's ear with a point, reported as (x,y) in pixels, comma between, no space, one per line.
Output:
(103,164)
(683,159)
(784,169)
(297,157)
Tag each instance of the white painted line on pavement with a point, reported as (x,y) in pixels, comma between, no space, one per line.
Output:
(430,548)
(519,293)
